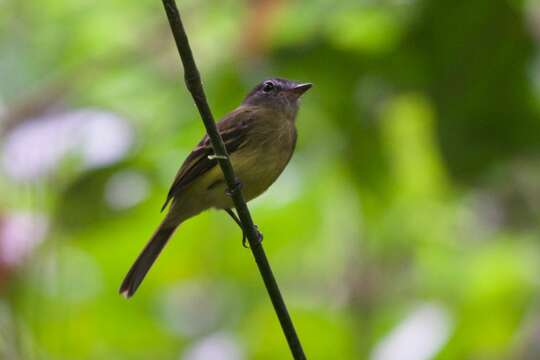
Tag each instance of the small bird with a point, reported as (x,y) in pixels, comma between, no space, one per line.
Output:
(260,137)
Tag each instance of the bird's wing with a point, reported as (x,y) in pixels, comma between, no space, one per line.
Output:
(233,129)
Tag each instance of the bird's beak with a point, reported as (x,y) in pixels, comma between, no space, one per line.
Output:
(299,90)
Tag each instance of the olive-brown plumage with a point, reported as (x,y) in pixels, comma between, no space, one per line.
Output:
(260,137)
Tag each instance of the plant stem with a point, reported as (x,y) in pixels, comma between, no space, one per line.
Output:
(194,85)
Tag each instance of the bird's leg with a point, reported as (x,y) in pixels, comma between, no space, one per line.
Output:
(237,186)
(234,217)
(237,220)
(244,236)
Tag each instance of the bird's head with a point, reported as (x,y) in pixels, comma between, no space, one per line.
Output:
(278,94)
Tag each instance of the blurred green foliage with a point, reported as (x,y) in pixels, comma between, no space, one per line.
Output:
(405,227)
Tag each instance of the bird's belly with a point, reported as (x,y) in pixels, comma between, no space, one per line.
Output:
(258,172)
(256,169)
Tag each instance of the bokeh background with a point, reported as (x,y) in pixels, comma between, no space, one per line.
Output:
(405,227)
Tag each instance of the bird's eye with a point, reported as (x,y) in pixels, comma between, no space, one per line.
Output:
(268,86)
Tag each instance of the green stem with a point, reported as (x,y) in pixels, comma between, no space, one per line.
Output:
(194,85)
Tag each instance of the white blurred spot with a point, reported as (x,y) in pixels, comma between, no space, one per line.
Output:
(19,235)
(126,189)
(192,308)
(419,337)
(36,147)
(219,346)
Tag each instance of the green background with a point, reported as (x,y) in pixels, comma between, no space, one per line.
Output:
(405,226)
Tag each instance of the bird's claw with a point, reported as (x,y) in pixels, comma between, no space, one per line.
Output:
(236,187)
(245,242)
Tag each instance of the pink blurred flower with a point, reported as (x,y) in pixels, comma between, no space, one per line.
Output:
(20,233)
(36,148)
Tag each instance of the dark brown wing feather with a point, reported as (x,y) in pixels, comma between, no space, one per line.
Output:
(233,129)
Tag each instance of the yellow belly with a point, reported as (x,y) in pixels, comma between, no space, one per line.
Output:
(256,167)
(258,172)
(257,164)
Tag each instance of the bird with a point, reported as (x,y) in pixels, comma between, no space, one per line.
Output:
(260,138)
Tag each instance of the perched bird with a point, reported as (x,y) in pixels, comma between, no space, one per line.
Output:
(260,137)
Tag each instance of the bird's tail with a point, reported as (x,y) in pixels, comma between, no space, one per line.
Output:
(146,258)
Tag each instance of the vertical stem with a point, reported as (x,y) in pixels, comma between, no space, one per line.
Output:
(194,85)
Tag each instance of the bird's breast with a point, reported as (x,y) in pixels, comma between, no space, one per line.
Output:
(263,158)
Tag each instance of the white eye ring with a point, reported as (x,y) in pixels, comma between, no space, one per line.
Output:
(268,86)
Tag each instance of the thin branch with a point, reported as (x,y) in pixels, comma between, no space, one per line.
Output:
(194,85)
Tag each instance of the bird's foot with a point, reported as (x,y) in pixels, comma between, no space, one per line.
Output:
(245,242)
(236,187)
(260,237)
